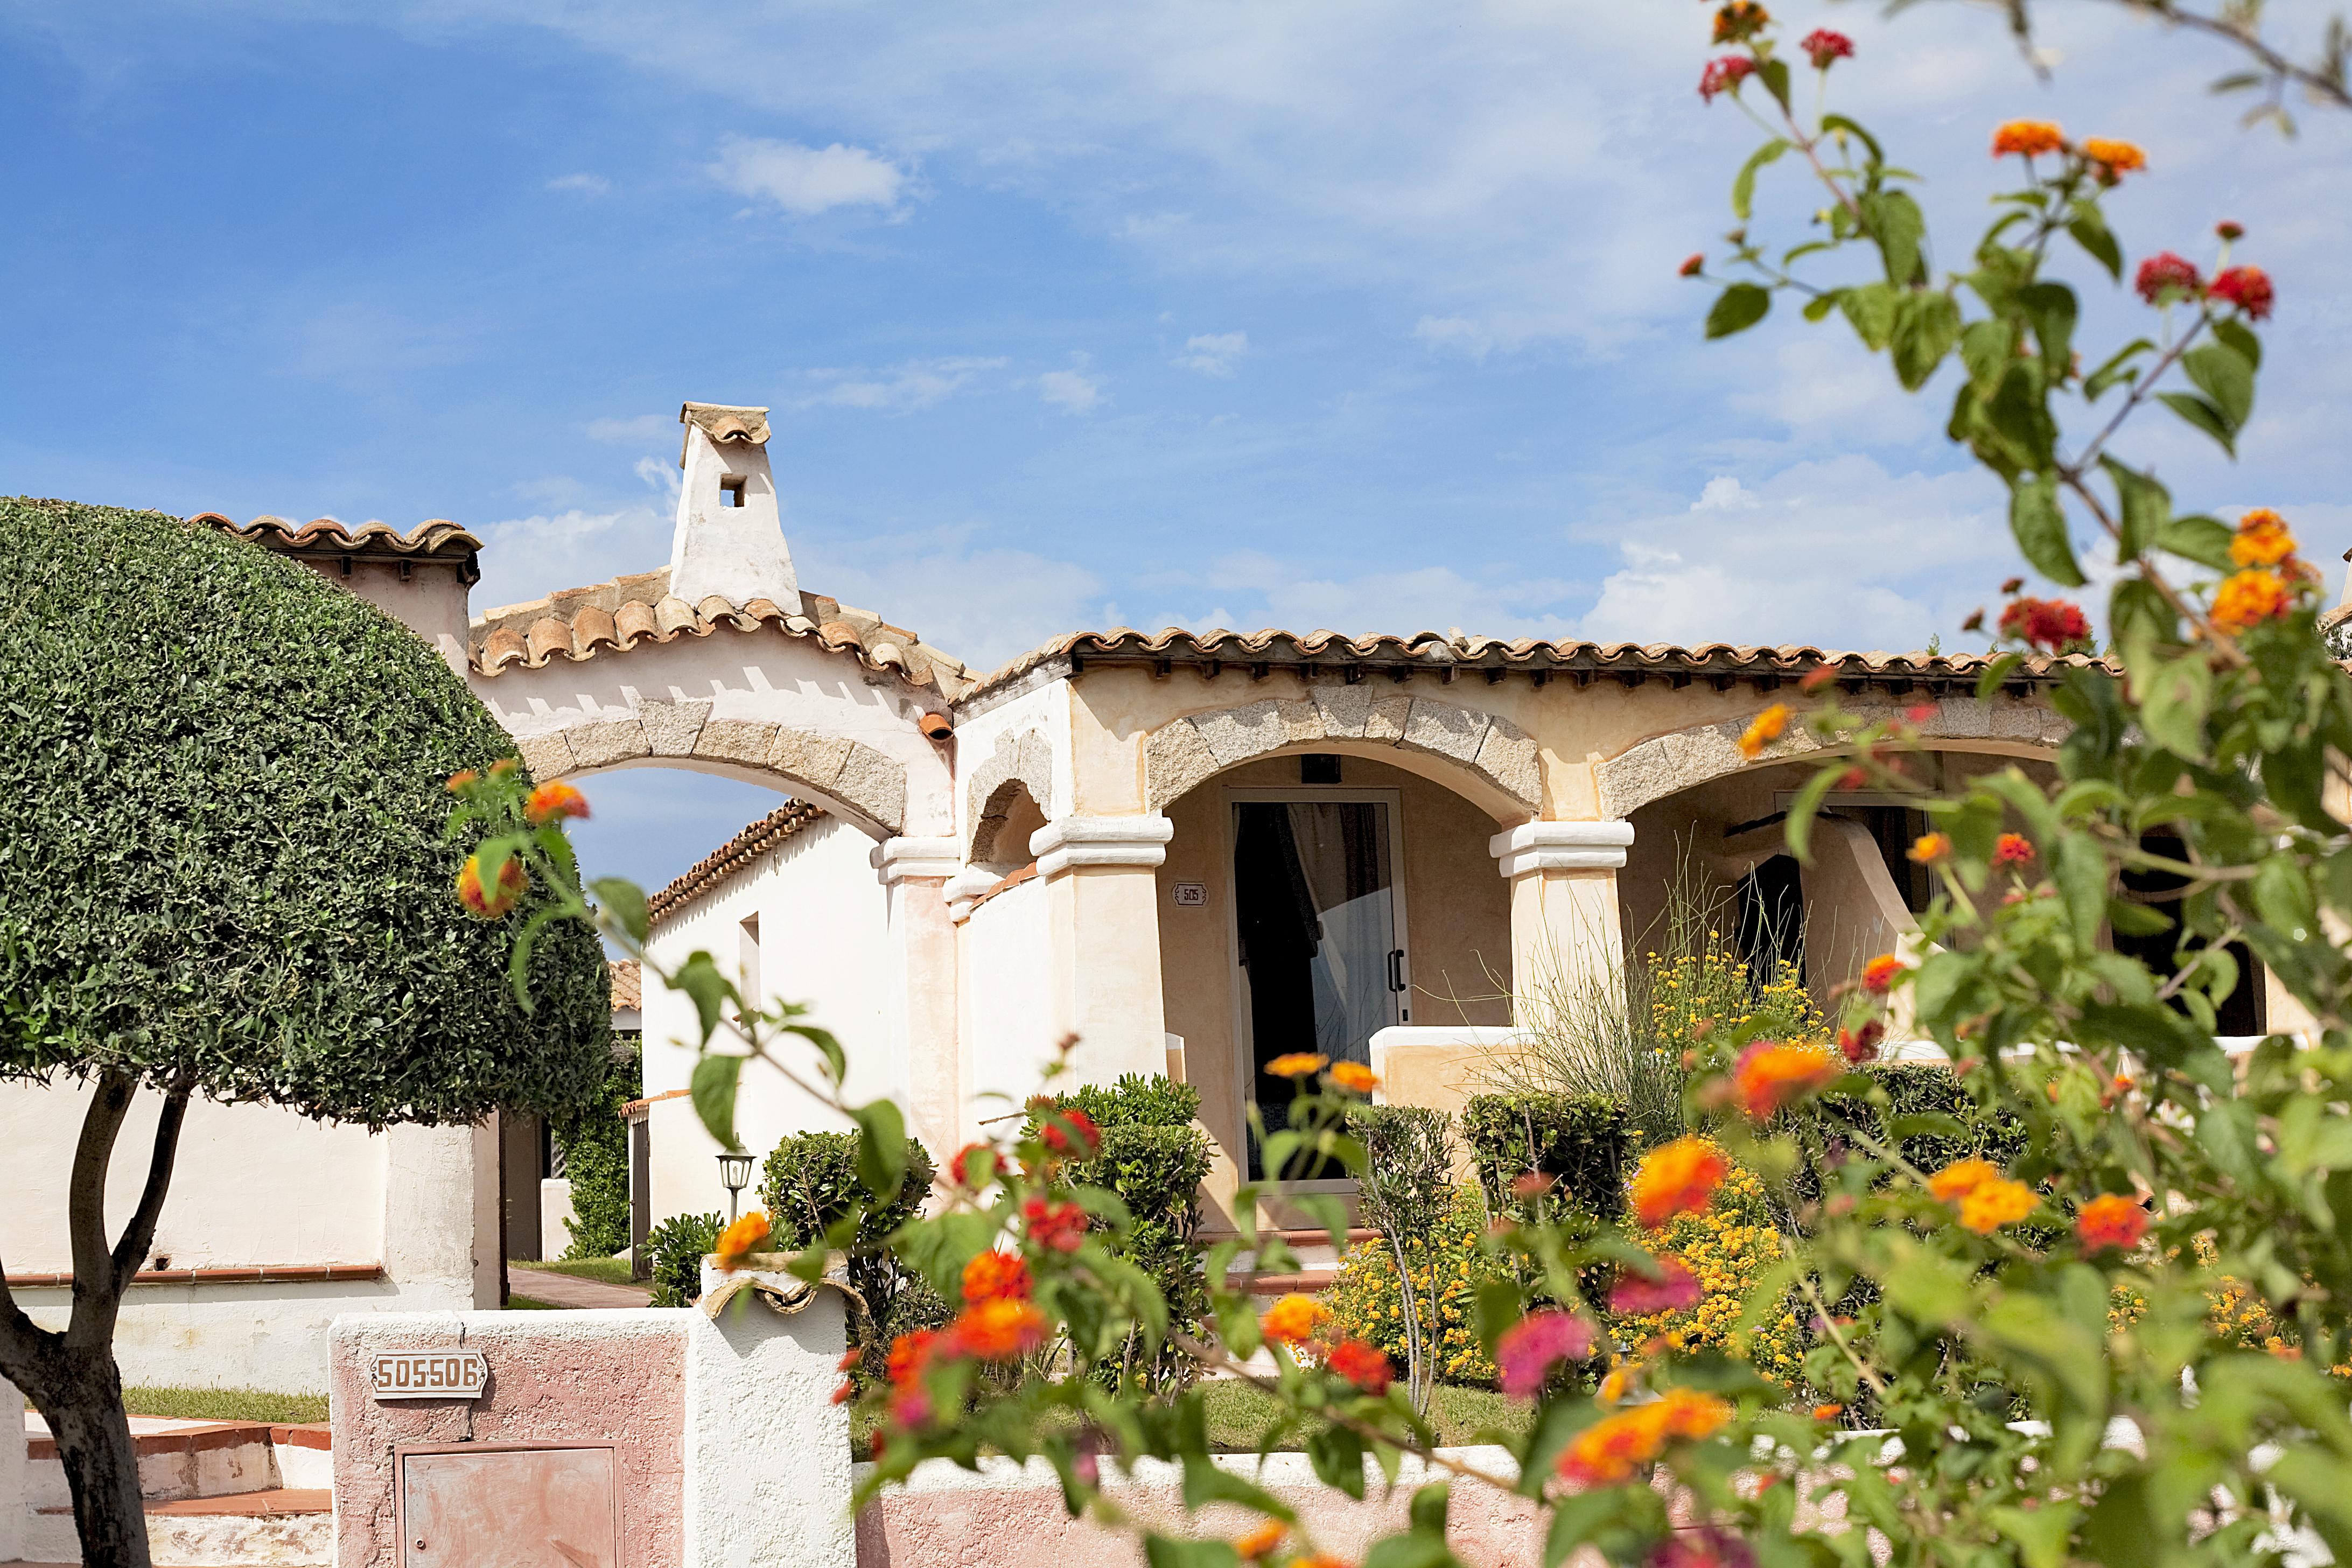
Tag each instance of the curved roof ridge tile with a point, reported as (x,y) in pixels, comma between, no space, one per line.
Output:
(734,856)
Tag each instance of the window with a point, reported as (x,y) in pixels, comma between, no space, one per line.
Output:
(747,964)
(731,490)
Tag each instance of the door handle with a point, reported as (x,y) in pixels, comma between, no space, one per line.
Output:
(1396,969)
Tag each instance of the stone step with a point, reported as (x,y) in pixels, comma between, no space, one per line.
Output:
(176,1459)
(279,1528)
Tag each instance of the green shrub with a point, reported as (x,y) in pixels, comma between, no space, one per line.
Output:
(595,1147)
(679,1246)
(1154,1159)
(1921,1089)
(808,1185)
(1406,1190)
(223,856)
(1584,1142)
(1447,1268)
(1136,1101)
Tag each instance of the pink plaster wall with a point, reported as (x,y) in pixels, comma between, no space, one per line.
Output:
(1021,1523)
(616,1377)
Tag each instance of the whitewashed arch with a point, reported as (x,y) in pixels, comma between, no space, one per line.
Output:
(1481,756)
(1021,761)
(1662,765)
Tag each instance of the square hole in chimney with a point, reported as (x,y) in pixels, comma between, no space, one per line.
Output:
(731,490)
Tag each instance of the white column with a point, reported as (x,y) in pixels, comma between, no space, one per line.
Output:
(768,1477)
(1103,913)
(920,1005)
(1566,934)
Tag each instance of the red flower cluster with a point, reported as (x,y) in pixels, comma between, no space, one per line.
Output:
(1821,46)
(2165,271)
(1675,1289)
(1725,75)
(2110,1221)
(2054,624)
(2014,849)
(1530,1348)
(1058,1227)
(2247,288)
(1859,1046)
(973,1164)
(1878,974)
(1064,1129)
(994,1276)
(1365,1366)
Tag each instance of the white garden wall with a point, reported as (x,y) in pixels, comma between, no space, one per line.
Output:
(1007,1002)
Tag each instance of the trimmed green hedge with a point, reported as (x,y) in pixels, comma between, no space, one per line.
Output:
(596,1146)
(1584,1141)
(1138,1102)
(678,1246)
(222,847)
(808,1184)
(1927,1088)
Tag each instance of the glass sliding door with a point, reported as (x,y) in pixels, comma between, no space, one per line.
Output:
(1319,938)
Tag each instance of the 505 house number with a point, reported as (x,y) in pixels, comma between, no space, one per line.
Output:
(429,1374)
(1192,895)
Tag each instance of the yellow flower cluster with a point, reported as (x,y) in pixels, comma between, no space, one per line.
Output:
(1715,987)
(1446,1270)
(1726,1249)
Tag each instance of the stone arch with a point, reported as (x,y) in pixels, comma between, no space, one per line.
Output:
(1650,770)
(1482,756)
(1022,765)
(863,785)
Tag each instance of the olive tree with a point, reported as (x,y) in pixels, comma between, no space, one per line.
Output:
(225,871)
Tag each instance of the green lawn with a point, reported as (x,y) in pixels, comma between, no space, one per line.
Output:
(226,1405)
(529,1304)
(611,1270)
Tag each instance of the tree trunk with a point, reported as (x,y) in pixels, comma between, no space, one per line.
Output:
(84,1411)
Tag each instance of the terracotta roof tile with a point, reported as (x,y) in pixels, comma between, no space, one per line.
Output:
(580,623)
(736,854)
(435,539)
(628,984)
(1465,653)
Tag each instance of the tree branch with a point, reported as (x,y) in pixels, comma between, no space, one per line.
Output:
(132,1250)
(93,1260)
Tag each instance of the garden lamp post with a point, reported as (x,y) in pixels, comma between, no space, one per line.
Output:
(735,1174)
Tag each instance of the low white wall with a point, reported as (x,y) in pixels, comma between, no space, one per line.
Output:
(822,916)
(767,1450)
(555,1213)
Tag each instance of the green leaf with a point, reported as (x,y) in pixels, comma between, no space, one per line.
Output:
(1743,189)
(2202,414)
(2198,538)
(1338,1456)
(2144,506)
(1429,1505)
(1774,74)
(882,1151)
(713,1086)
(2237,335)
(1852,128)
(2081,876)
(710,990)
(1871,308)
(1898,227)
(1415,1551)
(2174,702)
(2222,374)
(1167,1551)
(1739,308)
(625,902)
(2089,228)
(2040,525)
(2136,920)
(1798,831)
(2118,368)
(1926,327)
(2050,308)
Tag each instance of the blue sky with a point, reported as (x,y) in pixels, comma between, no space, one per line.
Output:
(1358,315)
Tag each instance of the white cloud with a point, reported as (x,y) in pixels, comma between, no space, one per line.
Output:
(633,429)
(805,181)
(1501,601)
(1838,552)
(1214,354)
(900,389)
(981,603)
(1070,390)
(587,185)
(525,558)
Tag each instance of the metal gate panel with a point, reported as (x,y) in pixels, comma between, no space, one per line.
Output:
(492,1505)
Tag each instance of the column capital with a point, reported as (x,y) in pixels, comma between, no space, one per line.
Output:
(895,859)
(1141,841)
(964,888)
(1562,846)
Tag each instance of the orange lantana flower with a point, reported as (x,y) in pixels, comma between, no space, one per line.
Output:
(1676,1178)
(2262,538)
(1612,1447)
(1773,1075)
(1930,848)
(1960,1178)
(1260,1541)
(2027,137)
(1763,729)
(1297,1064)
(2114,157)
(552,800)
(2247,600)
(1000,1330)
(994,1276)
(2110,1221)
(1991,1205)
(1294,1320)
(1878,974)
(486,904)
(1355,1077)
(740,1238)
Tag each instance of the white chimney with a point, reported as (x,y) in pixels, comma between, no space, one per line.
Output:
(731,539)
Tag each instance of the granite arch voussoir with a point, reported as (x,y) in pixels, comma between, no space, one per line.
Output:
(867,787)
(1182,754)
(1663,765)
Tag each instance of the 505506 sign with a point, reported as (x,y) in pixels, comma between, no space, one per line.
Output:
(429,1374)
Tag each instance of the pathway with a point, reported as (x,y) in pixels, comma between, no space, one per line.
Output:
(571,1290)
